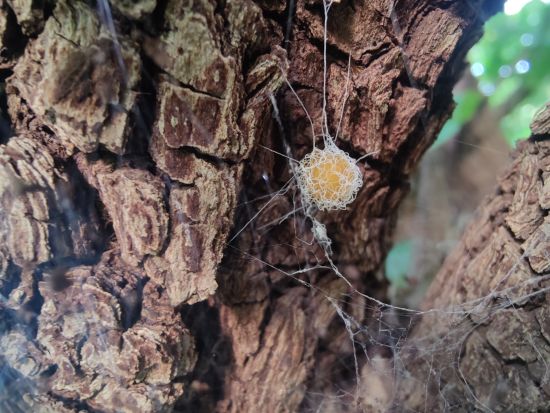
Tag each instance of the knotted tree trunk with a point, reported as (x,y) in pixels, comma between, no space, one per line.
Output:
(135,272)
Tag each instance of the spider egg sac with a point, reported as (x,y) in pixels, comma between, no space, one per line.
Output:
(329,178)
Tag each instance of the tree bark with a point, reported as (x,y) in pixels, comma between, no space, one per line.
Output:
(488,347)
(138,147)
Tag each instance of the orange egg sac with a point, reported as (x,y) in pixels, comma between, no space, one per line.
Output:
(329,178)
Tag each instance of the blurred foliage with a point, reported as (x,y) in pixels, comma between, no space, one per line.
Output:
(511,64)
(467,103)
(398,263)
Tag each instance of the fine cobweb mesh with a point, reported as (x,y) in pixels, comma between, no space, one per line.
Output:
(370,360)
(374,360)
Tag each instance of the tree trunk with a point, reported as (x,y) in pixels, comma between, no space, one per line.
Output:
(143,136)
(489,345)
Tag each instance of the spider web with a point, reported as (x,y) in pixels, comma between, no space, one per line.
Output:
(275,218)
(380,350)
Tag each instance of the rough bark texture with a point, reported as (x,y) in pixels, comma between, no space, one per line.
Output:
(137,130)
(488,348)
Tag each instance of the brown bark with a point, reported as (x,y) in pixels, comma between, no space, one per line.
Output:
(122,178)
(488,345)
